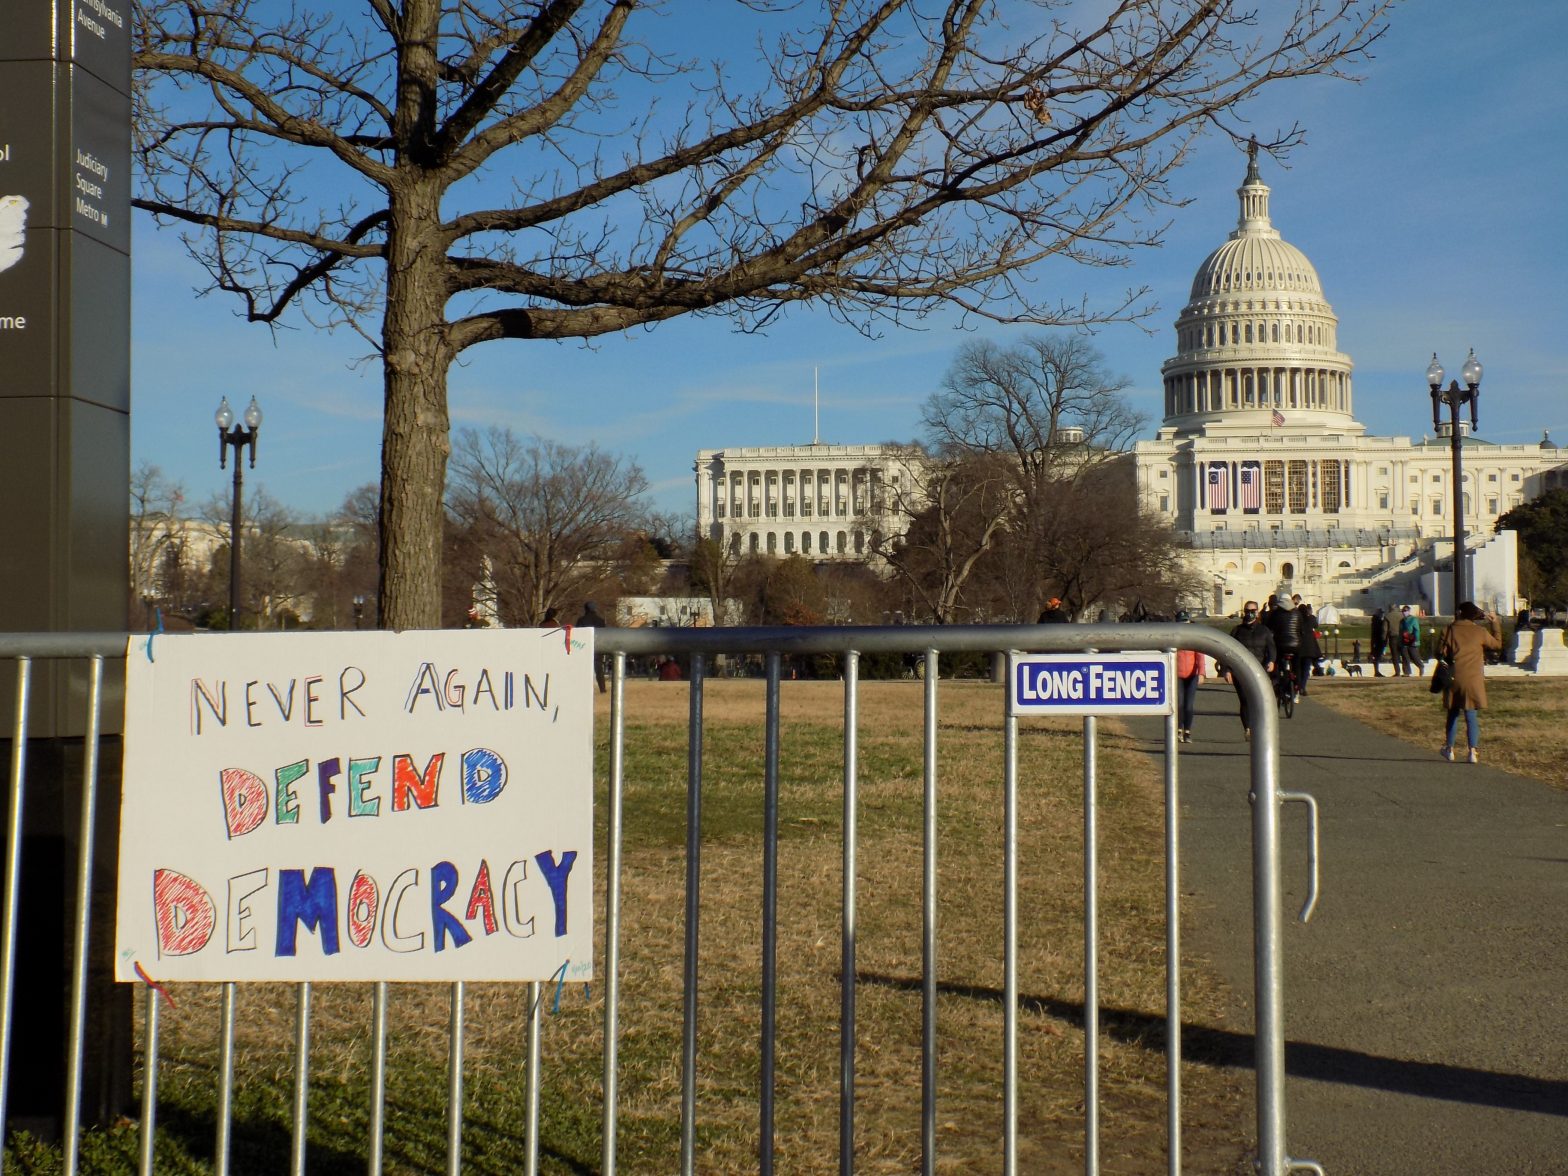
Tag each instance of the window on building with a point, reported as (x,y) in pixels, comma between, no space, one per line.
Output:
(773,543)
(1491,506)
(805,542)
(1491,477)
(1382,500)
(1330,481)
(1274,487)
(1415,507)
(1513,477)
(789,542)
(1165,503)
(1296,486)
(718,509)
(1259,569)
(1287,571)
(1437,477)
(1437,506)
(1164,473)
(1382,471)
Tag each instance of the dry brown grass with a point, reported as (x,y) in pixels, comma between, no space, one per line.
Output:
(1524,728)
(889,937)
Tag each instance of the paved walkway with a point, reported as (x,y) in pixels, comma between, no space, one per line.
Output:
(1427,1001)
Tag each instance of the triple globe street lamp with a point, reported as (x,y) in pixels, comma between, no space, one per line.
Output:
(1454,396)
(237,437)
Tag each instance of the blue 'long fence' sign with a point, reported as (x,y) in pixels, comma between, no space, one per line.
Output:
(1092,684)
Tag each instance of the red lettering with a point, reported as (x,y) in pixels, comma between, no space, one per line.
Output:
(244,800)
(480,899)
(408,782)
(183,912)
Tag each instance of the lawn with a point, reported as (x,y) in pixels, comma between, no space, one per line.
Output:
(1217,1118)
(1524,728)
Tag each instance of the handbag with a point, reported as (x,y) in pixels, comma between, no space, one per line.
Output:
(1441,677)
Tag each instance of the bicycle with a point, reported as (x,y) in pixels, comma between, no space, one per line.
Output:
(1285,687)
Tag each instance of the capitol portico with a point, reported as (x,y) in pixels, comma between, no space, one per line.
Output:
(1265,474)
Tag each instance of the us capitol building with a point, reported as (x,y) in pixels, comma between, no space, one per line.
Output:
(1263,471)
(1259,464)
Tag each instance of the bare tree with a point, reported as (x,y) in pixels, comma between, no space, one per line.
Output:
(879,156)
(1046,405)
(274,574)
(550,519)
(956,509)
(155,536)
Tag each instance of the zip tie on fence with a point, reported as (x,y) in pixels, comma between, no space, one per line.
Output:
(153,984)
(158,615)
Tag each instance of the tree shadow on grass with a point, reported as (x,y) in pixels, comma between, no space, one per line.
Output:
(1205,1045)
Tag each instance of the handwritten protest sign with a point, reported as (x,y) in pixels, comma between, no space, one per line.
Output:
(358,806)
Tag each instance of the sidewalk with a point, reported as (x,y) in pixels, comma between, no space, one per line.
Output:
(1427,1001)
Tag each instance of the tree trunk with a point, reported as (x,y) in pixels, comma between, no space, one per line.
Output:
(414,442)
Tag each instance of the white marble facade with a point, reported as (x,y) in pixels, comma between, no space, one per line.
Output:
(824,502)
(1261,467)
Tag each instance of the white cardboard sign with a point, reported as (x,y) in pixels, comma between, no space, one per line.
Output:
(358,806)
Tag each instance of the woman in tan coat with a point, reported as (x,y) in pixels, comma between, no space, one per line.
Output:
(1464,648)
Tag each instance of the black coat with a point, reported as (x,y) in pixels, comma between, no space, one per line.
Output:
(1286,624)
(1259,642)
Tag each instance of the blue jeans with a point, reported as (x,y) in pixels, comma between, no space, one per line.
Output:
(1472,727)
(1186,701)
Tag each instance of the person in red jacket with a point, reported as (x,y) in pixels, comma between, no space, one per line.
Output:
(1191,668)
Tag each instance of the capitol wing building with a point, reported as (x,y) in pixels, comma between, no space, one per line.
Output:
(1265,474)
(1259,465)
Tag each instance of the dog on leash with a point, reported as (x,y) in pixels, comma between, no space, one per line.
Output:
(1352,669)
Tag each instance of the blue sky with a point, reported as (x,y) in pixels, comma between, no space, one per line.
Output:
(1429,197)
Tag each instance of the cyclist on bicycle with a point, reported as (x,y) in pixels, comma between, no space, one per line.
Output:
(1286,622)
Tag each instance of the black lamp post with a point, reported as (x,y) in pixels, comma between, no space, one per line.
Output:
(1454,397)
(230,434)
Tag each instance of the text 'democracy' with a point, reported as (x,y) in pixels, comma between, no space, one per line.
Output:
(366,806)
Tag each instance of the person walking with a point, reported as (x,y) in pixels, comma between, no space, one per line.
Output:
(1054,613)
(1409,644)
(1259,642)
(592,618)
(1191,667)
(1379,642)
(1309,651)
(1464,647)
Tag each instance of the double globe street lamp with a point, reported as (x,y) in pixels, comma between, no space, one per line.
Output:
(1455,397)
(237,437)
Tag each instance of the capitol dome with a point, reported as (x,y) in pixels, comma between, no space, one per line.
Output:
(1257,341)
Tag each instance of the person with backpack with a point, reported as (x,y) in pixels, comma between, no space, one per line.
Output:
(1409,645)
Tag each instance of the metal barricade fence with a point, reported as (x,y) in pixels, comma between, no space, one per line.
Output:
(773,645)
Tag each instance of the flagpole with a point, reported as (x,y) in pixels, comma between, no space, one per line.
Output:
(816,410)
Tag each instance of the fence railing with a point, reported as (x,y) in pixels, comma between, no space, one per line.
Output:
(930,646)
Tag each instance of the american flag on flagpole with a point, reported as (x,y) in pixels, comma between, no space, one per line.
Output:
(1249,495)
(1278,418)
(1219,491)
